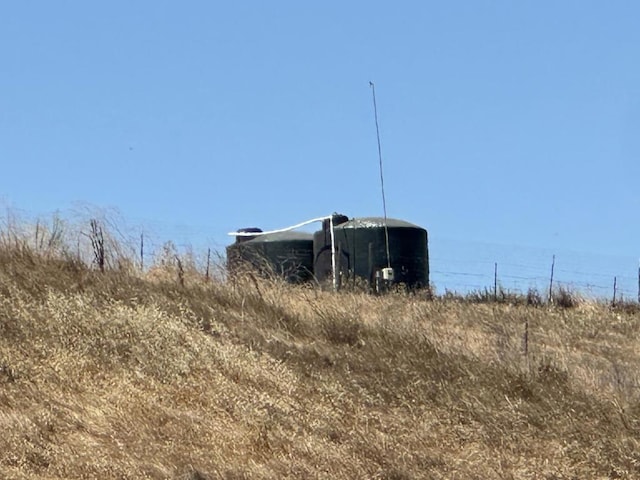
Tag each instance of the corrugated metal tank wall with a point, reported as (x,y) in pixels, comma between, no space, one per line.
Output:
(288,255)
(362,251)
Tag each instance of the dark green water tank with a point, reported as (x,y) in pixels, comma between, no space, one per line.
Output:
(362,251)
(288,255)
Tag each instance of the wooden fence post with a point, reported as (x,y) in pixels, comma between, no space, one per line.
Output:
(206,276)
(142,252)
(553,264)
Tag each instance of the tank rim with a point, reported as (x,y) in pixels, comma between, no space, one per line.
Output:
(377,222)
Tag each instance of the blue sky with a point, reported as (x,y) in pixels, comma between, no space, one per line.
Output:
(503,123)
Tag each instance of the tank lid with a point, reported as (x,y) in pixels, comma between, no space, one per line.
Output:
(376,222)
(246,238)
(339,218)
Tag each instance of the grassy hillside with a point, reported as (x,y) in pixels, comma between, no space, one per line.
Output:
(128,376)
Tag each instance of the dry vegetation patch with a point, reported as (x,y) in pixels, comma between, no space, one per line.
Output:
(117,375)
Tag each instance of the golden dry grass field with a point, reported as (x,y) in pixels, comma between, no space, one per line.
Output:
(124,375)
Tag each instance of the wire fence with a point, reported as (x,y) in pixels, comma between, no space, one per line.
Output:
(469,266)
(460,266)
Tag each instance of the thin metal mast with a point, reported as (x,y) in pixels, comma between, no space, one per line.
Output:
(384,202)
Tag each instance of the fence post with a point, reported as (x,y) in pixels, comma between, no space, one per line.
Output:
(142,252)
(495,282)
(615,281)
(180,271)
(97,243)
(553,264)
(206,275)
(525,341)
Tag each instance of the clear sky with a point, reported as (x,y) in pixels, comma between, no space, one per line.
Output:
(511,123)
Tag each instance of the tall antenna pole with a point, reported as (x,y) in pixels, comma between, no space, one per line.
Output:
(384,202)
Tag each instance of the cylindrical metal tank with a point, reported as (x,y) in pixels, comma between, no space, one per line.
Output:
(288,255)
(361,251)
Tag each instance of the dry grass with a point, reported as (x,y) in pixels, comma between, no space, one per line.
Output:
(122,375)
